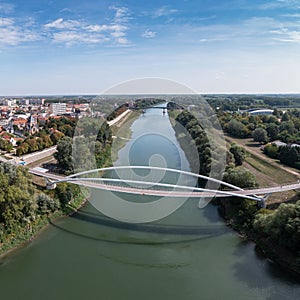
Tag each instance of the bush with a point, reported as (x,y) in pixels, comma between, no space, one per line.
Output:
(271,151)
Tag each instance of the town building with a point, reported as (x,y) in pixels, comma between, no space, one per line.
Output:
(58,108)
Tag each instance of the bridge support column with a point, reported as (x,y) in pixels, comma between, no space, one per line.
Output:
(262,203)
(50,185)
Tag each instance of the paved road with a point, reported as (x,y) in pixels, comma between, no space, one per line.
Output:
(29,158)
(162,193)
(118,118)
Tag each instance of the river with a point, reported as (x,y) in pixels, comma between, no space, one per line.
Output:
(190,254)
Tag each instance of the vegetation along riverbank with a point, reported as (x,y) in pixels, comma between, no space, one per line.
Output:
(26,207)
(275,229)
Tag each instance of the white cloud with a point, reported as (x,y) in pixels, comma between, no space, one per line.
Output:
(6,8)
(164,11)
(12,34)
(121,14)
(118,34)
(96,28)
(6,22)
(71,37)
(122,41)
(148,34)
(293,4)
(252,31)
(68,10)
(61,24)
(207,40)
(101,28)
(287,35)
(291,15)
(72,32)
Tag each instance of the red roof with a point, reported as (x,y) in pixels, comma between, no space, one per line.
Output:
(5,135)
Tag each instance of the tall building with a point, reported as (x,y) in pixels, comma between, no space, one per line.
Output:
(58,108)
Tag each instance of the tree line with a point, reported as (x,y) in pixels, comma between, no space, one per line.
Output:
(281,225)
(208,152)
(263,128)
(284,127)
(233,103)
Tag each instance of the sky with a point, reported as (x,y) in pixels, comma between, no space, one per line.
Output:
(87,46)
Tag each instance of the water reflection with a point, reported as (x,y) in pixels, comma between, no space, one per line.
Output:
(251,268)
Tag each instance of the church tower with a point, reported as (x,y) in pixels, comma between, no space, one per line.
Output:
(31,126)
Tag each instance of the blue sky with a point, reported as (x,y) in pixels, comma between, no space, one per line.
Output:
(84,47)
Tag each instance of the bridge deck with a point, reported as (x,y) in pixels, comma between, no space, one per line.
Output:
(171,193)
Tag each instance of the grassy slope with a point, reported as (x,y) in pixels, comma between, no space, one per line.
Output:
(268,172)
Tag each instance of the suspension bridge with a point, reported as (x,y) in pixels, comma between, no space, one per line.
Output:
(142,185)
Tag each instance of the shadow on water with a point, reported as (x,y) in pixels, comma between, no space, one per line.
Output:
(81,235)
(279,285)
(152,227)
(165,232)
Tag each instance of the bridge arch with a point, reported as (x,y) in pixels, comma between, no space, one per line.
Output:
(74,178)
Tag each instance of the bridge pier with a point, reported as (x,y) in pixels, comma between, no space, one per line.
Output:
(49,184)
(262,203)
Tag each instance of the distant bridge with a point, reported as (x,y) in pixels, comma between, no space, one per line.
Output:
(157,107)
(140,187)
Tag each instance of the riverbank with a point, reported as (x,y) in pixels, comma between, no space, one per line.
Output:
(30,233)
(270,249)
(240,216)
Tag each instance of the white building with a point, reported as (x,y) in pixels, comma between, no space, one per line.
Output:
(8,102)
(261,112)
(58,108)
(24,102)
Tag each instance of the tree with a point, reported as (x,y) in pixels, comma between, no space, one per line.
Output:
(289,155)
(67,130)
(56,136)
(5,145)
(237,129)
(83,154)
(66,192)
(47,204)
(64,154)
(285,117)
(238,154)
(273,131)
(282,226)
(287,126)
(260,135)
(276,113)
(271,150)
(240,177)
(17,204)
